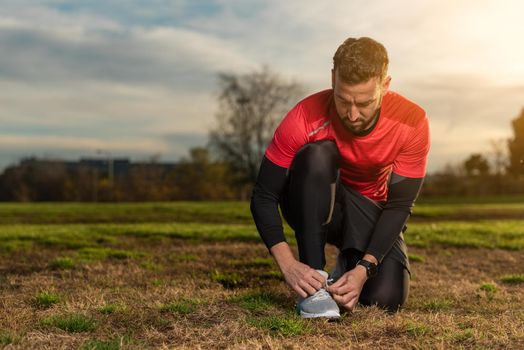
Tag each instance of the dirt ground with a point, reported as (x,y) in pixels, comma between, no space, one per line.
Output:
(236,298)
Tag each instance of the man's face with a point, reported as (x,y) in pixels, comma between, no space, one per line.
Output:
(358,104)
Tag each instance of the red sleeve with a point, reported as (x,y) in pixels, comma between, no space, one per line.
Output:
(412,160)
(290,135)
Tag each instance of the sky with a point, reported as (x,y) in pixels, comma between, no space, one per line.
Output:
(138,79)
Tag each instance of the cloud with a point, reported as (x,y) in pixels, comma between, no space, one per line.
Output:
(466,112)
(75,143)
(100,71)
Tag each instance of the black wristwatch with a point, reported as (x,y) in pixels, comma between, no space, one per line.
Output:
(371,268)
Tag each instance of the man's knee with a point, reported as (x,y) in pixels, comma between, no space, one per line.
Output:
(322,156)
(390,303)
(390,289)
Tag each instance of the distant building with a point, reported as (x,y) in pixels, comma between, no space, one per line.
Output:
(104,166)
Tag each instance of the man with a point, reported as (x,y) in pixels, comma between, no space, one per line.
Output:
(345,165)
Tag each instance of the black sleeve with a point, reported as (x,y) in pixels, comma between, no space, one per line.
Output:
(403,192)
(264,202)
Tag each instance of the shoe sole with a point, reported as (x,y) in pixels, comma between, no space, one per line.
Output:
(327,314)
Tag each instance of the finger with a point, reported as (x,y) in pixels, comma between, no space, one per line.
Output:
(351,304)
(338,298)
(307,287)
(344,298)
(341,299)
(342,289)
(342,280)
(300,291)
(315,283)
(348,306)
(318,277)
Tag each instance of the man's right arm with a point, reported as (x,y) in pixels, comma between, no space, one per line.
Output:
(264,202)
(264,208)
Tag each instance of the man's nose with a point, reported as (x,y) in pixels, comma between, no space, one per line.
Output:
(353,113)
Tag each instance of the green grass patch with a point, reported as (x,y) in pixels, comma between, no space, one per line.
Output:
(70,241)
(276,275)
(257,302)
(110,344)
(505,234)
(45,300)
(227,279)
(471,207)
(225,212)
(63,263)
(14,246)
(513,279)
(183,257)
(463,335)
(74,323)
(109,309)
(253,263)
(416,258)
(50,213)
(5,339)
(94,344)
(488,288)
(158,282)
(182,307)
(86,239)
(94,254)
(92,236)
(416,329)
(18,237)
(285,326)
(438,305)
(151,266)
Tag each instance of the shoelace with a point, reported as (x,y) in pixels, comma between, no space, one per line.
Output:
(321,294)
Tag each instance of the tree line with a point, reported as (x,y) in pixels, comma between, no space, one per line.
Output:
(498,172)
(250,107)
(194,178)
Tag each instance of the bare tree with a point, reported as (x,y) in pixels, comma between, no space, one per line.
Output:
(500,161)
(250,108)
(499,153)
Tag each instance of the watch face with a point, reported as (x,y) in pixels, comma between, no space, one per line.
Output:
(371,268)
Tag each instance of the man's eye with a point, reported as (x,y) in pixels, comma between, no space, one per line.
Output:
(365,104)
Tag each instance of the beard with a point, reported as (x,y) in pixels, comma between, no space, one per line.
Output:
(361,125)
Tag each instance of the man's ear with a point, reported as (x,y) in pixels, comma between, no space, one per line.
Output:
(333,78)
(386,82)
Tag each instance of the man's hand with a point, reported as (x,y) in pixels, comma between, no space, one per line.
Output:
(346,290)
(303,279)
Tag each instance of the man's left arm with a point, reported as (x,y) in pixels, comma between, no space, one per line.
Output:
(403,191)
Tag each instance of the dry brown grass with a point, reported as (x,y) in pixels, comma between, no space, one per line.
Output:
(446,308)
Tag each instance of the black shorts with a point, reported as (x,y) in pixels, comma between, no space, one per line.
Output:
(353,221)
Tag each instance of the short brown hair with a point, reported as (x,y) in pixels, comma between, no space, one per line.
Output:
(358,60)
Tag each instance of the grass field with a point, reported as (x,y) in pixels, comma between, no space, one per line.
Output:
(196,275)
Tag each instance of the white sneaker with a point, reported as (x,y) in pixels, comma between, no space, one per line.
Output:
(320,304)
